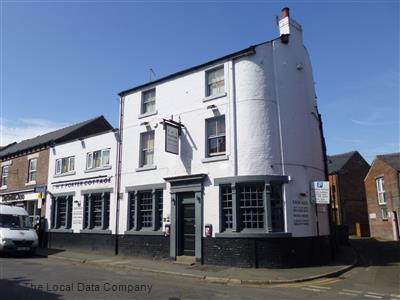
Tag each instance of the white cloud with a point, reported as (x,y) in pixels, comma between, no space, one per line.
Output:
(374,123)
(22,129)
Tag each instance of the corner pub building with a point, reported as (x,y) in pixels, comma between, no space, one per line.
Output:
(237,191)
(231,183)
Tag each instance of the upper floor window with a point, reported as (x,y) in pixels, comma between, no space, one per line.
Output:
(385,213)
(216,139)
(4,176)
(98,159)
(147,148)
(380,188)
(65,165)
(148,101)
(32,170)
(215,81)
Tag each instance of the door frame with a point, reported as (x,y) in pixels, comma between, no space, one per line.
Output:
(184,184)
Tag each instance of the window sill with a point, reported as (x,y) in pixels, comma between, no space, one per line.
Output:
(97,169)
(64,174)
(213,97)
(146,168)
(96,231)
(61,230)
(31,183)
(143,232)
(215,158)
(148,114)
(252,234)
(4,187)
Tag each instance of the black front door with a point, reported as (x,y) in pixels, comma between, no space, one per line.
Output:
(187,225)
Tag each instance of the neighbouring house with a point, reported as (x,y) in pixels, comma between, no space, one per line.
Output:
(25,165)
(217,161)
(346,179)
(81,192)
(383,196)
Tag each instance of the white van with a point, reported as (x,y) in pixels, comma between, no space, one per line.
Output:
(16,231)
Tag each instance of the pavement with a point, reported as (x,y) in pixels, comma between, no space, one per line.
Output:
(346,259)
(376,276)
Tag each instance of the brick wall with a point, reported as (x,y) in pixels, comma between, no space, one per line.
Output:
(149,246)
(144,246)
(350,192)
(267,252)
(378,226)
(83,242)
(18,171)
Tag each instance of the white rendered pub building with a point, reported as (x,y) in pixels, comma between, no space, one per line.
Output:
(231,182)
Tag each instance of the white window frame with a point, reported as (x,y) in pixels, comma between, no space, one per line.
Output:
(90,159)
(385,216)
(145,102)
(215,82)
(31,170)
(380,190)
(4,179)
(215,136)
(59,165)
(144,150)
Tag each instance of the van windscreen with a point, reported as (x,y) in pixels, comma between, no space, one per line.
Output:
(15,221)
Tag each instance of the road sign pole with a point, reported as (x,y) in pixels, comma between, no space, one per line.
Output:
(316,215)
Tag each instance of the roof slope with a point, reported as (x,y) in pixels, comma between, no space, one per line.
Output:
(392,159)
(85,128)
(246,51)
(338,161)
(6,146)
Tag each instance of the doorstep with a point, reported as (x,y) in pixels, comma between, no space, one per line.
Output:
(185,260)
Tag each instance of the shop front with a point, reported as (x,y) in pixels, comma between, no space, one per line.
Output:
(30,200)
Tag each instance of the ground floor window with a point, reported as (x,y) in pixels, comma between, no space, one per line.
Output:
(227,207)
(251,203)
(62,212)
(96,211)
(145,209)
(252,207)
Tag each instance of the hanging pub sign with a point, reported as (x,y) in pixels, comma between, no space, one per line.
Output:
(320,192)
(172,132)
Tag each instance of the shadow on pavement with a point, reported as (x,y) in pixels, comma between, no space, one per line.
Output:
(45,252)
(40,253)
(20,288)
(376,253)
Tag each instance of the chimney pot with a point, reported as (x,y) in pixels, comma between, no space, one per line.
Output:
(285,12)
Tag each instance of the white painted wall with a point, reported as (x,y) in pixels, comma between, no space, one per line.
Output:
(79,149)
(275,106)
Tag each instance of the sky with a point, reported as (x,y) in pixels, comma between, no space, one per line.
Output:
(63,62)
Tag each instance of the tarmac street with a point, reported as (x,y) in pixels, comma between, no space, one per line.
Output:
(376,276)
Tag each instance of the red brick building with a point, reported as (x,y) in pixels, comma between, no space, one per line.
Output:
(346,178)
(383,196)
